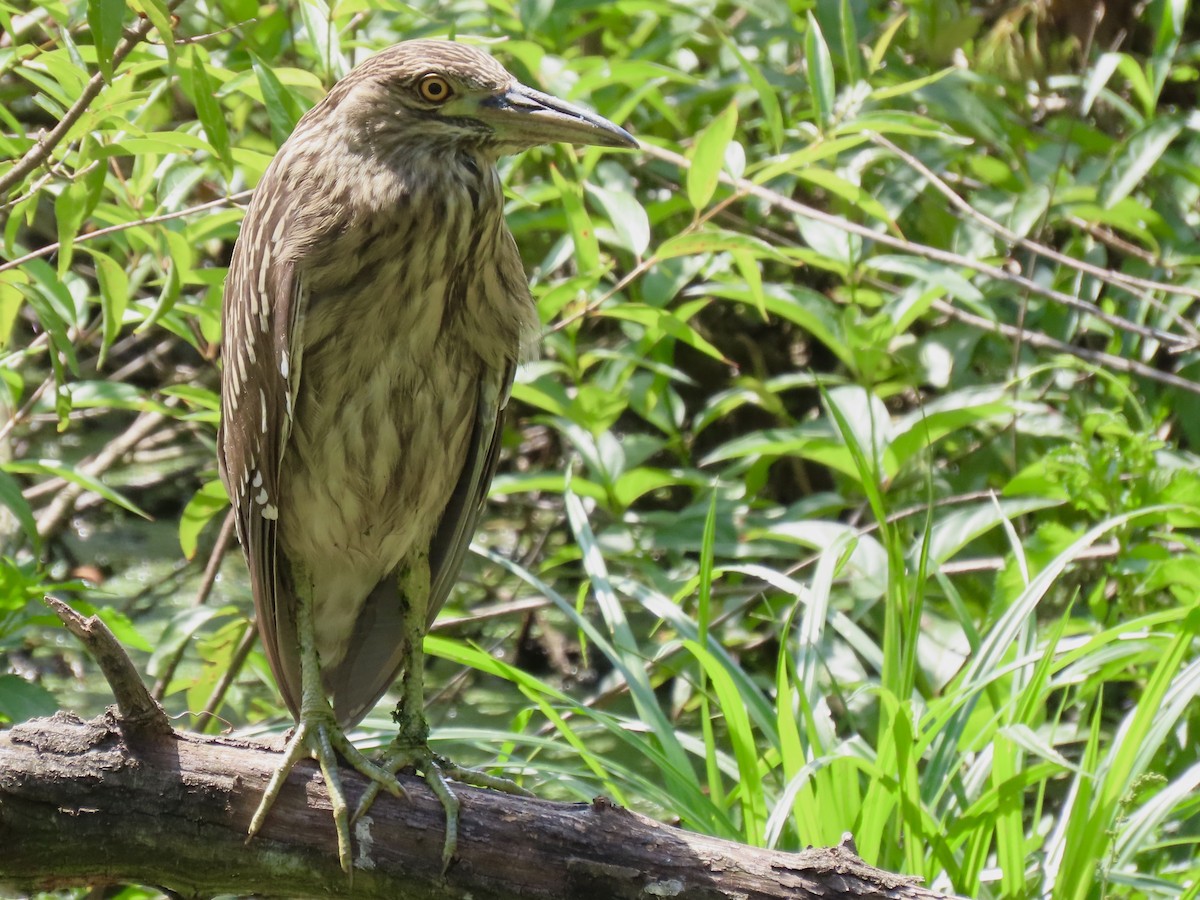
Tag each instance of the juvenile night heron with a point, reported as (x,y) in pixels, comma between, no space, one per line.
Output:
(375,310)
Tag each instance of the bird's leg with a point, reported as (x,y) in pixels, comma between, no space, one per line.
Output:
(410,747)
(317,735)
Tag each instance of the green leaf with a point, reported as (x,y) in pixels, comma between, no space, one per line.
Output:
(158,13)
(587,249)
(1097,77)
(891,91)
(11,301)
(713,240)
(765,93)
(123,629)
(660,323)
(283,109)
(634,484)
(886,36)
(12,497)
(850,192)
(70,209)
(628,217)
(928,272)
(96,394)
(819,65)
(22,700)
(322,29)
(1136,158)
(105,21)
(212,119)
(849,39)
(75,476)
(205,503)
(737,723)
(178,269)
(195,395)
(748,268)
(114,298)
(708,156)
(54,306)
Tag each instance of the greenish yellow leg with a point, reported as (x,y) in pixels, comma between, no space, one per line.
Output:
(317,735)
(410,747)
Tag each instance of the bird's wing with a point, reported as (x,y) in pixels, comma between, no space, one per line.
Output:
(457,525)
(380,651)
(258,392)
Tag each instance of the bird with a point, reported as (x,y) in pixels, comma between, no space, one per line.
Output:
(374,313)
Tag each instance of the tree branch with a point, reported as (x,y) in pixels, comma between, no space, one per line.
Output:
(41,150)
(118,800)
(93,803)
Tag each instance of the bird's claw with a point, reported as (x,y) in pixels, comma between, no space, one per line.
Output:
(478,779)
(318,739)
(437,772)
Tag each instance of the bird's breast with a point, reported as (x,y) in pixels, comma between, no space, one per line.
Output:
(397,335)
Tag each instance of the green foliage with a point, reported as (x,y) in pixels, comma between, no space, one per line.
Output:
(855,486)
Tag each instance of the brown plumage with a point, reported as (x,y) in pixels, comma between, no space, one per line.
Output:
(375,310)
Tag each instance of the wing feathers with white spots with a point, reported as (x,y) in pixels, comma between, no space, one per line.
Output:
(262,369)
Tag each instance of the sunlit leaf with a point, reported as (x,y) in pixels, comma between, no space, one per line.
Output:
(283,109)
(708,156)
(200,510)
(209,109)
(1137,157)
(713,241)
(628,217)
(819,66)
(114,297)
(75,476)
(587,249)
(105,21)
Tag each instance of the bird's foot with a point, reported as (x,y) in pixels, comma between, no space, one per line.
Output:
(413,752)
(318,736)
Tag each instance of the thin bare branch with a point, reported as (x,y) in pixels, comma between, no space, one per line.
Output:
(113,229)
(61,506)
(139,712)
(794,207)
(1045,342)
(1120,280)
(41,150)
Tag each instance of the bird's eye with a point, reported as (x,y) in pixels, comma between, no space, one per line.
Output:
(435,89)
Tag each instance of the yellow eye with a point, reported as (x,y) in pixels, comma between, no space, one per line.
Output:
(435,89)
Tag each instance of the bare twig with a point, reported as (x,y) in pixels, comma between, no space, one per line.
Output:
(62,505)
(1119,280)
(139,712)
(1107,237)
(114,229)
(747,187)
(1045,342)
(41,150)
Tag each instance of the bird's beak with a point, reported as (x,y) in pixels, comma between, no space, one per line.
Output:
(527,118)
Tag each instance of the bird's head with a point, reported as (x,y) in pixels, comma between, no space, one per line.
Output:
(456,95)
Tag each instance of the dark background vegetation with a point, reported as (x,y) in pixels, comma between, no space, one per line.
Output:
(855,488)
